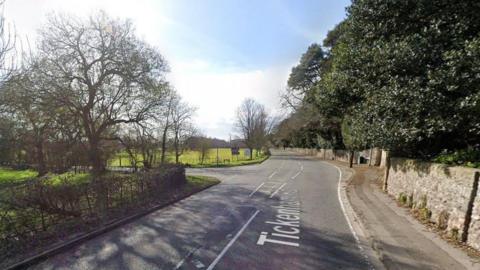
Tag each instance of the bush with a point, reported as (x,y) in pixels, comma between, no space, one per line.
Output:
(465,157)
(63,204)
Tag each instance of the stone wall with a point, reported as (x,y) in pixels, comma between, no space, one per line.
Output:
(376,156)
(442,193)
(473,238)
(447,195)
(340,155)
(383,158)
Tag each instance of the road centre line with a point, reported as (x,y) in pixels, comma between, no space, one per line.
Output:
(225,249)
(253,192)
(180,263)
(295,176)
(278,189)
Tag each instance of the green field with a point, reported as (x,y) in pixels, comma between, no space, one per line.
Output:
(10,176)
(192,158)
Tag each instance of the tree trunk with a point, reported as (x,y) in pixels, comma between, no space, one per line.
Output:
(350,159)
(164,143)
(98,168)
(95,156)
(251,153)
(387,170)
(177,152)
(42,168)
(371,156)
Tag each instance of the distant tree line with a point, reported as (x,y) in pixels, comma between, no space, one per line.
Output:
(400,75)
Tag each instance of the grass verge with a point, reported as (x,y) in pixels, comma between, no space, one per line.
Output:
(232,164)
(199,182)
(189,157)
(8,175)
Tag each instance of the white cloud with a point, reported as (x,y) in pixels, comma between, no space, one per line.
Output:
(218,94)
(216,91)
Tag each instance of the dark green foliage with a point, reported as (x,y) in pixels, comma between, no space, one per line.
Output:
(405,76)
(308,71)
(465,157)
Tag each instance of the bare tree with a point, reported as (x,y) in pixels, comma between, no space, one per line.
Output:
(100,72)
(166,121)
(182,127)
(253,123)
(7,48)
(139,144)
(22,98)
(203,146)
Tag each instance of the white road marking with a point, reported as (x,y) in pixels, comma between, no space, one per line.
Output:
(298,173)
(180,263)
(219,257)
(295,176)
(198,264)
(357,240)
(271,175)
(253,192)
(278,189)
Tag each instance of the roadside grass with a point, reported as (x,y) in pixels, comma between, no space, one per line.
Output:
(8,175)
(189,159)
(68,178)
(231,164)
(196,183)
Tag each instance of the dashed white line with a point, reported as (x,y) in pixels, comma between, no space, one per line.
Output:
(295,176)
(219,257)
(278,189)
(253,192)
(180,263)
(271,175)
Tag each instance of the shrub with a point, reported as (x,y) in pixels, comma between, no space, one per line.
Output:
(466,157)
(62,204)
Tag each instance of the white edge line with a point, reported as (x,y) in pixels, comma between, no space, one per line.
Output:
(253,192)
(219,257)
(278,189)
(339,187)
(357,240)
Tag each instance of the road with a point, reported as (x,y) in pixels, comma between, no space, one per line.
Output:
(281,214)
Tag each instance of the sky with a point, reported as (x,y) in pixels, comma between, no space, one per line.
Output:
(219,51)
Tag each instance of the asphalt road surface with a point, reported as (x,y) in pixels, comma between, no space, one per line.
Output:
(281,214)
